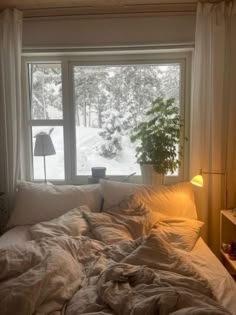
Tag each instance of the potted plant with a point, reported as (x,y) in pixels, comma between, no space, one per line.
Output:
(157,139)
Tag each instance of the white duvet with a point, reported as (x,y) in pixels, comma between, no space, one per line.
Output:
(68,274)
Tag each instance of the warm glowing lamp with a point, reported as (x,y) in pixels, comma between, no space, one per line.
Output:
(197,180)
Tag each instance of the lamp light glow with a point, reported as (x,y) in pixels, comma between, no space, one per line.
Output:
(197,180)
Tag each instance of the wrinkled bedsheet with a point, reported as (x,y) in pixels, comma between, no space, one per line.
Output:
(79,275)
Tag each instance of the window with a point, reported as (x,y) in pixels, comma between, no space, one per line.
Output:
(91,104)
(45,86)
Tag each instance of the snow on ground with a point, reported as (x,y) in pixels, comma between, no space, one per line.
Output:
(88,146)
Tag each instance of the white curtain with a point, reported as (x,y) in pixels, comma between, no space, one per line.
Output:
(213,138)
(10,100)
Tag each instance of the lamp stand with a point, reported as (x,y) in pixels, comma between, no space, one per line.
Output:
(44,164)
(225,173)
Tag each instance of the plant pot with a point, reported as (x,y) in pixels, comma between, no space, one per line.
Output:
(150,176)
(98,172)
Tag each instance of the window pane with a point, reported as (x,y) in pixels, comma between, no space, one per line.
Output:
(45,91)
(109,102)
(54,163)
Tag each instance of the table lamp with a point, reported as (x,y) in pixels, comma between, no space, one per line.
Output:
(44,147)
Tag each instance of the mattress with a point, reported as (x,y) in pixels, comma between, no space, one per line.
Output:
(204,260)
(223,285)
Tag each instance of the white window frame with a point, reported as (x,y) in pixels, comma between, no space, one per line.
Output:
(68,61)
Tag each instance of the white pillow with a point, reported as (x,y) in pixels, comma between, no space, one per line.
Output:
(71,223)
(41,202)
(182,233)
(115,192)
(174,200)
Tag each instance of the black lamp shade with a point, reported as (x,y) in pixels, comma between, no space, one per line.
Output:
(43,145)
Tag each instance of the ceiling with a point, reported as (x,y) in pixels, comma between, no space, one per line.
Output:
(34,8)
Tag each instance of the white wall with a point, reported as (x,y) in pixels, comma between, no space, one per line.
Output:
(108,31)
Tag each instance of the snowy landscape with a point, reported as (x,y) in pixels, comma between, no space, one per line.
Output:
(109,101)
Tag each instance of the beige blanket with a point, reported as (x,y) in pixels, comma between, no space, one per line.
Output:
(79,275)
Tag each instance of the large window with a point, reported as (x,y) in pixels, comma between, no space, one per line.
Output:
(90,105)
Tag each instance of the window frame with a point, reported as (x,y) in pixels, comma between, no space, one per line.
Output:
(68,61)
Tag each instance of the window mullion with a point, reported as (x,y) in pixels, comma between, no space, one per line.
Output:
(67,108)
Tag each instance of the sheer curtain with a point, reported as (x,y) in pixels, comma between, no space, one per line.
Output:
(213,138)
(10,100)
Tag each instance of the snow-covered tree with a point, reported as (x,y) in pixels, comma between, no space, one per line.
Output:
(170,82)
(46,91)
(111,134)
(90,95)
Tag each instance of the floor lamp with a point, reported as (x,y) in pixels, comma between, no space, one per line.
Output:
(198,181)
(44,147)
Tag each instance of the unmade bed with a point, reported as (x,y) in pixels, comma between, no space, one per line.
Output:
(141,254)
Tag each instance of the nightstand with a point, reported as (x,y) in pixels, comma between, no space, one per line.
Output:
(227,235)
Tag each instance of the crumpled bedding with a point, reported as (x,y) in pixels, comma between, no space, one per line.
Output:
(139,290)
(79,275)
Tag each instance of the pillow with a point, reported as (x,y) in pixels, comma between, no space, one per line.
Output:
(182,233)
(71,223)
(127,223)
(114,192)
(41,202)
(173,200)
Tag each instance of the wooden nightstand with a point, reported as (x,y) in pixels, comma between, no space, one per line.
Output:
(227,235)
